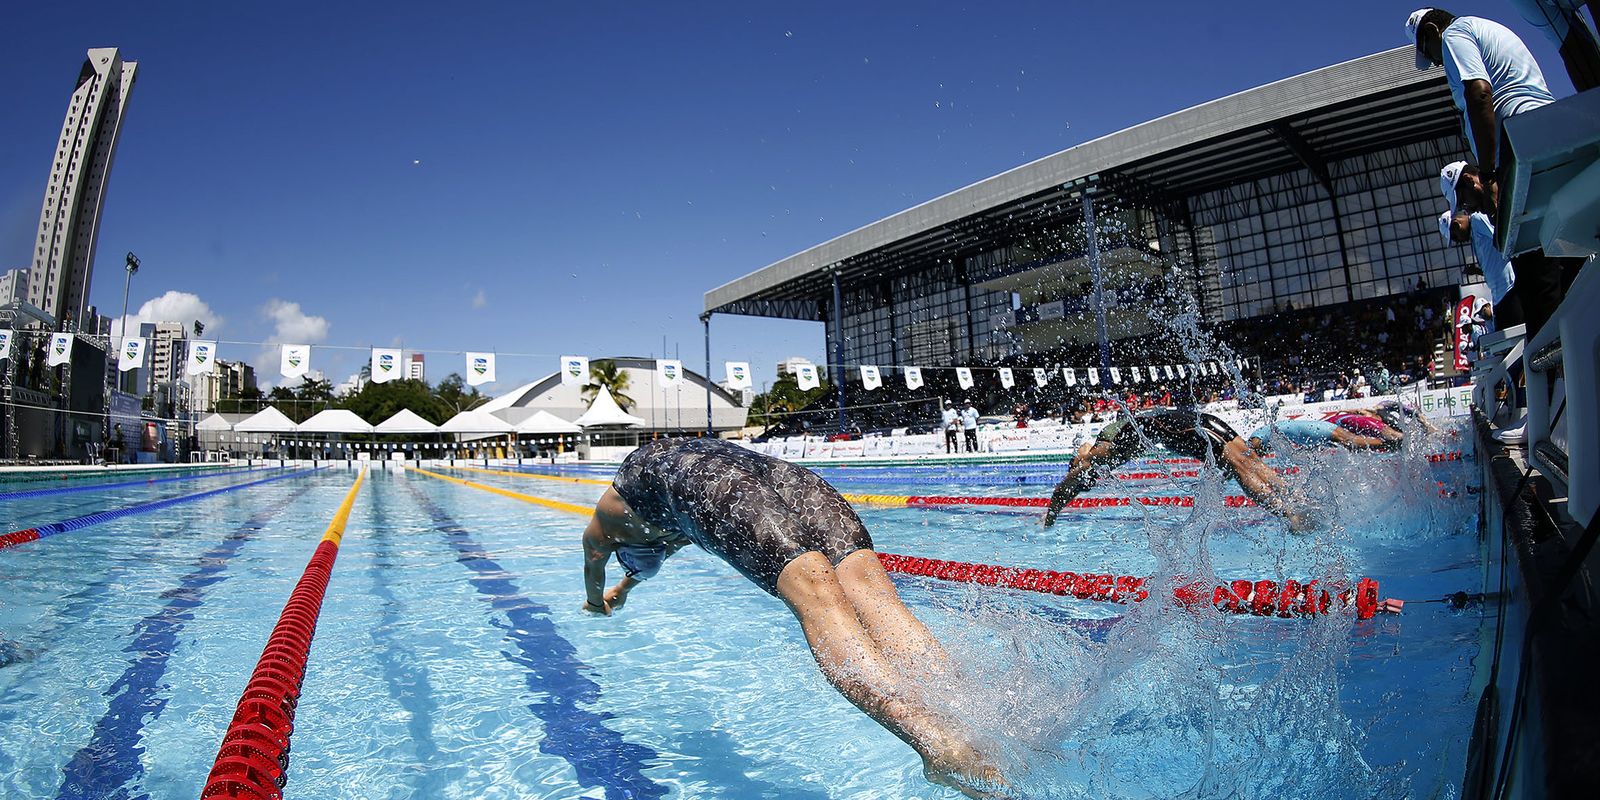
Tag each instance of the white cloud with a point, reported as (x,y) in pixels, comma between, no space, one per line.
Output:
(293,326)
(480,299)
(173,306)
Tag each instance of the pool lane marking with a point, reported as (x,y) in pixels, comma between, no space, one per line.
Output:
(599,756)
(95,487)
(526,498)
(254,753)
(535,475)
(25,535)
(112,758)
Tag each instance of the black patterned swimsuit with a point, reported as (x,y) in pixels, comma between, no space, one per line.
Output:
(753,511)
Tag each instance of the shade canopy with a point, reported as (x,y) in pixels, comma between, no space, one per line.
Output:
(267,420)
(476,422)
(405,421)
(335,420)
(544,422)
(605,411)
(215,422)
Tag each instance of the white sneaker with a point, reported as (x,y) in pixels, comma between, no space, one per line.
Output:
(1516,435)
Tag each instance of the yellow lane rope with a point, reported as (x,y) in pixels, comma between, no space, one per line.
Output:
(556,478)
(526,498)
(335,530)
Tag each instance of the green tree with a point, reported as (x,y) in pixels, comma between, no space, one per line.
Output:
(605,372)
(785,396)
(377,402)
(456,395)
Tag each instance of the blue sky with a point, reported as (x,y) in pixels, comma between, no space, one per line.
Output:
(571,178)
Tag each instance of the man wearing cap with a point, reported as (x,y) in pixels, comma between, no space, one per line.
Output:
(1492,77)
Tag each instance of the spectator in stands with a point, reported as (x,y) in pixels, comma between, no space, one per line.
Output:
(950,419)
(969,426)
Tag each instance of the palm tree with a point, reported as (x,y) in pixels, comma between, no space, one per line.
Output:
(606,373)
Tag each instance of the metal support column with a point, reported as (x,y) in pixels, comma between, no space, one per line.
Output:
(838,349)
(1093,236)
(705,319)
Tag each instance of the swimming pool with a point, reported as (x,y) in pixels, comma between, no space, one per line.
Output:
(452,660)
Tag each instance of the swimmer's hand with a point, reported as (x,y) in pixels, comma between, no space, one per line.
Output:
(604,609)
(615,597)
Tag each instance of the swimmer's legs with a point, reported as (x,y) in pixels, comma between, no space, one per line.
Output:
(852,661)
(1264,485)
(1356,441)
(899,634)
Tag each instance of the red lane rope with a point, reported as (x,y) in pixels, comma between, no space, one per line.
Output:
(1186,501)
(1262,598)
(253,761)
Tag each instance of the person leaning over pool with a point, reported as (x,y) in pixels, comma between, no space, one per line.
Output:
(793,535)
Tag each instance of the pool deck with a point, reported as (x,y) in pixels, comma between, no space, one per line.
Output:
(110,469)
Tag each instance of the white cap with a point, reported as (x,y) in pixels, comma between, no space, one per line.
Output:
(1444,227)
(1448,177)
(1412,22)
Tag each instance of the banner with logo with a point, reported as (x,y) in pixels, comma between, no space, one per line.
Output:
(60,349)
(385,364)
(669,371)
(1463,329)
(294,360)
(1116,375)
(1007,380)
(806,376)
(1094,376)
(738,374)
(202,354)
(870,379)
(131,356)
(574,370)
(1155,374)
(1183,371)
(5,344)
(1136,375)
(1040,376)
(913,377)
(480,368)
(1170,374)
(964,377)
(1069,375)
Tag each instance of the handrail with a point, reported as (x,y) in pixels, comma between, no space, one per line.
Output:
(1570,341)
(253,760)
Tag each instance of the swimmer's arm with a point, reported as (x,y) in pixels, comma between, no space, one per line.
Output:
(597,549)
(617,595)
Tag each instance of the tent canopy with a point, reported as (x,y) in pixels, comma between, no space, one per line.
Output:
(605,411)
(215,422)
(405,421)
(545,422)
(267,420)
(335,420)
(476,422)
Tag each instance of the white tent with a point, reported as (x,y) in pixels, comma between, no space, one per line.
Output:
(544,422)
(605,411)
(476,422)
(215,422)
(405,421)
(335,420)
(267,420)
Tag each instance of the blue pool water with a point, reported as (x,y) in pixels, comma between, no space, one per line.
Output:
(452,659)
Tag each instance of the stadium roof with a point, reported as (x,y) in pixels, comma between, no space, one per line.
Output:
(1309,120)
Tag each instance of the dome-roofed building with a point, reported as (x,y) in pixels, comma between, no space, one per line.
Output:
(673,409)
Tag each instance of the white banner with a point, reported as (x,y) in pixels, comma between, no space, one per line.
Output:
(738,374)
(5,344)
(574,370)
(1070,375)
(1040,376)
(131,356)
(294,360)
(806,376)
(670,371)
(1169,372)
(202,354)
(1136,374)
(1094,376)
(60,349)
(480,369)
(964,377)
(870,379)
(1116,375)
(1155,374)
(1007,380)
(1183,371)
(385,364)
(913,377)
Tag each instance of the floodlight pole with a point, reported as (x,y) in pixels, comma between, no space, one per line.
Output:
(705,319)
(1093,235)
(838,348)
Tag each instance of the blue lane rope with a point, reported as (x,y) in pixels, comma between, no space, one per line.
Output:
(95,487)
(67,525)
